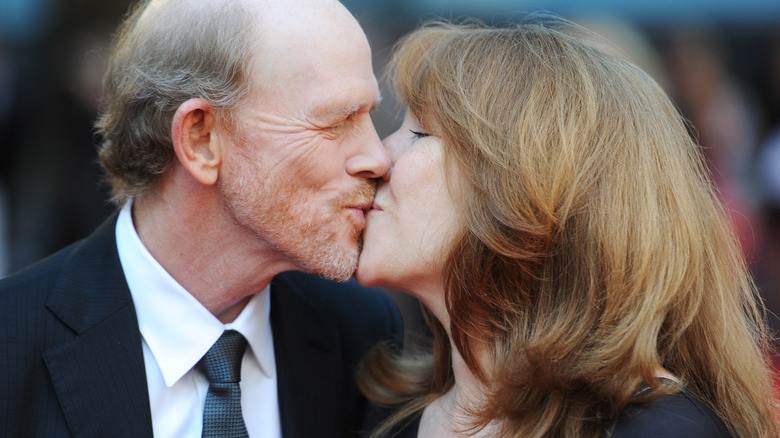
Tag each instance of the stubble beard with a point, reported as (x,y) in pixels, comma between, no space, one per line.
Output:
(274,211)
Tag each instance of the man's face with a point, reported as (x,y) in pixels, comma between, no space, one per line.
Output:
(299,174)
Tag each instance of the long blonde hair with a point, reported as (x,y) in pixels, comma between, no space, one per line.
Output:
(594,250)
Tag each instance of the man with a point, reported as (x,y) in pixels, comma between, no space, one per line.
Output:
(238,139)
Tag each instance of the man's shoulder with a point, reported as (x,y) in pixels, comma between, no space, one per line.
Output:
(76,262)
(335,296)
(349,303)
(36,277)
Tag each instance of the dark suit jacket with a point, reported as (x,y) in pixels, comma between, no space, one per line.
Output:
(71,361)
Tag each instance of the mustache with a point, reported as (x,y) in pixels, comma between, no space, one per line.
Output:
(361,194)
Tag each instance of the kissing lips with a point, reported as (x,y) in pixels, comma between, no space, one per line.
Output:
(359,211)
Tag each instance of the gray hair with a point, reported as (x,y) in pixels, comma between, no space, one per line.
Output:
(165,53)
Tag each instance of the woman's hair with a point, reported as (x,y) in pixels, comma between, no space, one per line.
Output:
(162,58)
(593,249)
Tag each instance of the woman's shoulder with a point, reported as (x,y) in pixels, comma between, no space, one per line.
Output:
(673,415)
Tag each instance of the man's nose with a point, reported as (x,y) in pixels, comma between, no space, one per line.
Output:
(371,160)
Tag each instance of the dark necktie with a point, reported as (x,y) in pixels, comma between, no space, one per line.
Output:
(222,416)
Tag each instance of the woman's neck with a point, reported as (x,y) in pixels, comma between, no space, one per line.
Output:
(451,412)
(468,386)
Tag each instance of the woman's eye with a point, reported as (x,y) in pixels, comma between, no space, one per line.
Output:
(419,134)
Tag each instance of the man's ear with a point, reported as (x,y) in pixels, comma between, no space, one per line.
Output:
(195,142)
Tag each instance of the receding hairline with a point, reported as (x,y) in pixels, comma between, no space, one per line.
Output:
(274,15)
(276,29)
(301,26)
(166,11)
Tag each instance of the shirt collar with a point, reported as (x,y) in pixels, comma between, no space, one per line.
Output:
(178,329)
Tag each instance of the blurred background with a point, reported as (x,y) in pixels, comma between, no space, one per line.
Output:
(718,59)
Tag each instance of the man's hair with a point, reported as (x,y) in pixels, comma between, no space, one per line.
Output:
(592,249)
(165,53)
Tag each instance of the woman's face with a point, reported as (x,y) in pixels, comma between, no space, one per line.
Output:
(413,219)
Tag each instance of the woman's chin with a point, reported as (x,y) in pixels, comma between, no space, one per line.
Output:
(363,273)
(372,272)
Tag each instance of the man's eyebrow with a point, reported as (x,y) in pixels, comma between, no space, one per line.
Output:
(347,110)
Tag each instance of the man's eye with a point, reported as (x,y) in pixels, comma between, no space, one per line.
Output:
(336,129)
(342,126)
(419,134)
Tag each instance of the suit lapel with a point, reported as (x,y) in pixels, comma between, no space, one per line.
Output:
(309,367)
(99,374)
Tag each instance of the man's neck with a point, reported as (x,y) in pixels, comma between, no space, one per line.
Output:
(215,259)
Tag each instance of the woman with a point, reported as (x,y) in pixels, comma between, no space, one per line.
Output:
(550,211)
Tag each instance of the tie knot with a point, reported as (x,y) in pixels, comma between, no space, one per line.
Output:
(222,363)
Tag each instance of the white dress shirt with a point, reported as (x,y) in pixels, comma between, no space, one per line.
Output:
(177,331)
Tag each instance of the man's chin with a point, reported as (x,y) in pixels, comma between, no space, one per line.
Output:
(337,265)
(341,275)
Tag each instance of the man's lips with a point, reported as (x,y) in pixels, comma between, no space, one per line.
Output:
(362,206)
(360,209)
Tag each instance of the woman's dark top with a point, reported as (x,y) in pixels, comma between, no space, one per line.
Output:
(679,415)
